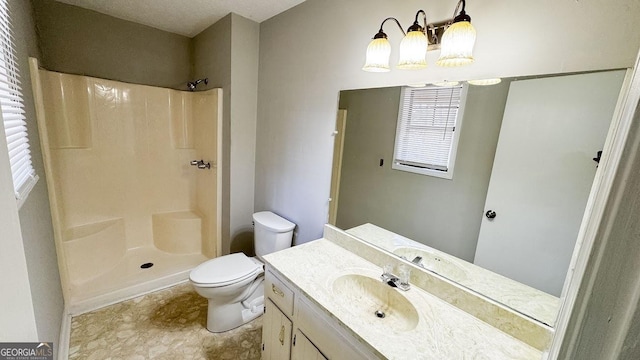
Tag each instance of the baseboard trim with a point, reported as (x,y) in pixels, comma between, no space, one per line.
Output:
(65,335)
(127,293)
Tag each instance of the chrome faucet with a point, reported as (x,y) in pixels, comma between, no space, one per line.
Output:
(417,260)
(201,164)
(392,280)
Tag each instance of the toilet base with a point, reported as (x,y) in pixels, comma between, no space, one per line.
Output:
(225,317)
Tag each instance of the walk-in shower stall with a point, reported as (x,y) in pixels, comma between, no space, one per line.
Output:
(133,182)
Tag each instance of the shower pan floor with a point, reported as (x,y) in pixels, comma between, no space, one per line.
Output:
(127,278)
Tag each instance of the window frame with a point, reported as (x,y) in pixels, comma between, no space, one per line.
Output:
(445,174)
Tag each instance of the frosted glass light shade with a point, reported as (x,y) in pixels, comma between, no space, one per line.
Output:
(457,45)
(413,51)
(378,53)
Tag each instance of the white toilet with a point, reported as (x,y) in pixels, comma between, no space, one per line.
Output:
(233,283)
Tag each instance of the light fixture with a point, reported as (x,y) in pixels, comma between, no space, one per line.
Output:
(379,51)
(413,48)
(485,82)
(458,41)
(418,39)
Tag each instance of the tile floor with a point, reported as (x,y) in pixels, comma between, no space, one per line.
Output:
(168,324)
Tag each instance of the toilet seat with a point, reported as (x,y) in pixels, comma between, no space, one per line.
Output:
(225,270)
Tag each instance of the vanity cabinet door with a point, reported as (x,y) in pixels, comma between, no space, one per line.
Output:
(325,334)
(303,348)
(276,333)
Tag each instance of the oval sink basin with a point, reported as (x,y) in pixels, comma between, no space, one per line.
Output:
(375,302)
(434,262)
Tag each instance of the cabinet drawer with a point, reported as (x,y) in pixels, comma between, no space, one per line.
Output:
(279,293)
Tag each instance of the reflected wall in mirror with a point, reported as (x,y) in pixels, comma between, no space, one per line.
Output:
(525,152)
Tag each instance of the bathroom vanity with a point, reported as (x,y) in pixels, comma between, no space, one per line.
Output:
(291,320)
(324,301)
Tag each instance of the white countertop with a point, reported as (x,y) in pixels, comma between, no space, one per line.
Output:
(442,332)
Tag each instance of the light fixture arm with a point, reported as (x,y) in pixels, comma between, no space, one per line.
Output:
(415,25)
(462,16)
(381,34)
(428,29)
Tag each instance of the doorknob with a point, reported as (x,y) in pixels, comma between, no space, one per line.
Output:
(490,214)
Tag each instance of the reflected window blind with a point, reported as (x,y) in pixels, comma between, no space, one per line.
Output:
(427,123)
(15,127)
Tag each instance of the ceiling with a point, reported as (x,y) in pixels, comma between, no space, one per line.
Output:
(185,17)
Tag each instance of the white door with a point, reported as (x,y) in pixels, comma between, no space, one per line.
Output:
(542,175)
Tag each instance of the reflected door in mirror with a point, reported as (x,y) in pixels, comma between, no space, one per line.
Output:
(542,175)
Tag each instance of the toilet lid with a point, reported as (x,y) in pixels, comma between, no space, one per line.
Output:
(273,222)
(225,269)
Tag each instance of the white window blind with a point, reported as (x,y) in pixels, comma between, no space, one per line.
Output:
(15,126)
(426,136)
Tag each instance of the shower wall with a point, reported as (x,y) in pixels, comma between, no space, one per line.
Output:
(122,186)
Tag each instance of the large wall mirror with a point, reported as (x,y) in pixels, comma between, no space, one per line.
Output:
(506,223)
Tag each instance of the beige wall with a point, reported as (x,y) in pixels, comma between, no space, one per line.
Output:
(441,213)
(19,324)
(35,219)
(233,40)
(245,38)
(302,69)
(75,40)
(212,60)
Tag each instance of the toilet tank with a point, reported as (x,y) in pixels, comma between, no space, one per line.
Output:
(272,233)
